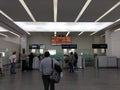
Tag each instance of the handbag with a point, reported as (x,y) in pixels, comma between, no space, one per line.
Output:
(55,76)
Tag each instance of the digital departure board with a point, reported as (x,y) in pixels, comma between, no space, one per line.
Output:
(58,40)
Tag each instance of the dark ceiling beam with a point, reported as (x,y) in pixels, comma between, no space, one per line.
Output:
(11,26)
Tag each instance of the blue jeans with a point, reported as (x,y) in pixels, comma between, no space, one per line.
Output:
(71,66)
(12,68)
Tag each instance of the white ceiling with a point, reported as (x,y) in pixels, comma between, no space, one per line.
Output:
(52,11)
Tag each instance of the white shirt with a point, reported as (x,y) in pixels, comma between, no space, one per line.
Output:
(12,58)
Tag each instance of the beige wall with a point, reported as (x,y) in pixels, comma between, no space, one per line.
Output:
(115,43)
(83,42)
(8,45)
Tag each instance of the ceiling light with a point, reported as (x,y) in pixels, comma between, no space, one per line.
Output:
(9,19)
(6,15)
(55,33)
(117,20)
(2,29)
(81,33)
(27,9)
(55,3)
(111,9)
(3,34)
(67,34)
(62,26)
(93,33)
(117,30)
(106,26)
(83,9)
(14,33)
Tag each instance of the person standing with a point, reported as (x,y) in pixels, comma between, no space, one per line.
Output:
(36,62)
(41,56)
(46,70)
(31,56)
(76,60)
(71,62)
(13,63)
(1,66)
(24,61)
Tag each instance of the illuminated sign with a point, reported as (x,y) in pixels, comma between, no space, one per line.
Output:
(58,40)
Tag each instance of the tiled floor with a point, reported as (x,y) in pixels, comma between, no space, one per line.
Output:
(83,79)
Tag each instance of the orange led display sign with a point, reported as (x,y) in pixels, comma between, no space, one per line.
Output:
(58,40)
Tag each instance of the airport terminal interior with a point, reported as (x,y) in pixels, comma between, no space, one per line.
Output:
(91,28)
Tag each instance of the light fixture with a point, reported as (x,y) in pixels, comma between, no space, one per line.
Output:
(4,14)
(111,9)
(14,33)
(117,30)
(81,33)
(3,34)
(106,26)
(55,7)
(9,19)
(5,30)
(62,26)
(55,33)
(67,34)
(83,9)
(117,20)
(2,29)
(27,9)
(93,33)
(55,3)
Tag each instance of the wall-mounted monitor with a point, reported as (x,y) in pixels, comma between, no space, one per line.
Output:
(99,46)
(37,46)
(69,46)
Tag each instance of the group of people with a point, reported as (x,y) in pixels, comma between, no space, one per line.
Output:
(31,61)
(46,65)
(71,60)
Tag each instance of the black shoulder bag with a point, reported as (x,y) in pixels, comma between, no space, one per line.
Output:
(55,76)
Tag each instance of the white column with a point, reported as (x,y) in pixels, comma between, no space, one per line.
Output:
(24,43)
(108,42)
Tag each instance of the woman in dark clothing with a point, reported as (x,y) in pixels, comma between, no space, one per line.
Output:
(24,59)
(76,60)
(31,56)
